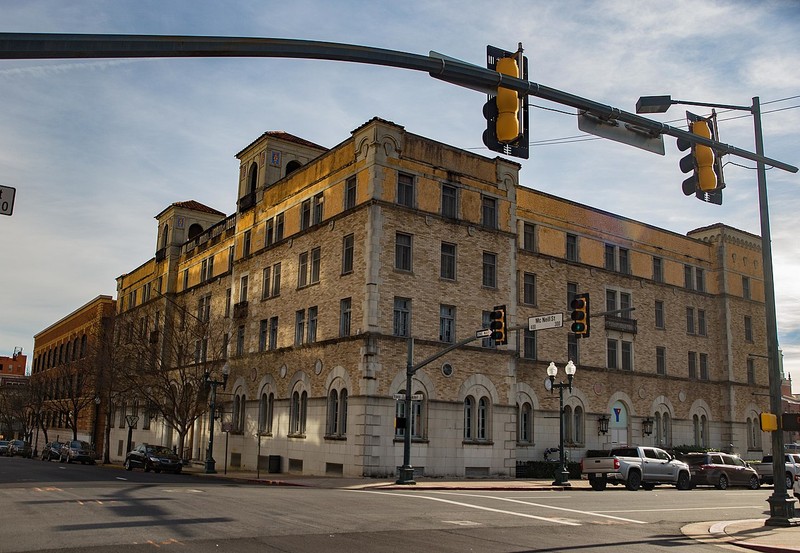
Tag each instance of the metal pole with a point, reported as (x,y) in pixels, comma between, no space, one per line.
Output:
(407,471)
(210,463)
(781,505)
(562,475)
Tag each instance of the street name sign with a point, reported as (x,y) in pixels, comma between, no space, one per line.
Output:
(402,397)
(7,199)
(554,320)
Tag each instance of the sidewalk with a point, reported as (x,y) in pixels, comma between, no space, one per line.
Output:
(749,534)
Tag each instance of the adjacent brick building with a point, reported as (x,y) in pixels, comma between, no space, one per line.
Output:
(336,257)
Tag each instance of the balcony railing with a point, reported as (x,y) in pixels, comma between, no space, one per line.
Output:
(247,201)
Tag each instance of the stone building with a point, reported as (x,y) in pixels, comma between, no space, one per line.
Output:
(336,257)
(68,372)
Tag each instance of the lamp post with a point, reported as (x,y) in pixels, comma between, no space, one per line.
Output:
(781,505)
(562,474)
(210,462)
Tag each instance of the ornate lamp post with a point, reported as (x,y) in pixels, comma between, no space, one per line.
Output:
(210,462)
(562,474)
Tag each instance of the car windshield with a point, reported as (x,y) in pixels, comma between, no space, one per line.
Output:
(159,450)
(79,445)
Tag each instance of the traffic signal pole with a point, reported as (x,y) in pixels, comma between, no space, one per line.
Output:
(454,71)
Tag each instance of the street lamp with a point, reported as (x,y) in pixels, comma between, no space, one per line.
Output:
(562,474)
(647,426)
(602,425)
(210,462)
(781,505)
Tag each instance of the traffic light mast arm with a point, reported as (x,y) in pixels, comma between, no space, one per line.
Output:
(411,369)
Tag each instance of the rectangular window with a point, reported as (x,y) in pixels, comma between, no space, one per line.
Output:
(489,212)
(625,303)
(624,265)
(276,280)
(299,326)
(572,247)
(748,328)
(660,314)
(402,252)
(348,246)
(279,227)
(485,321)
(405,190)
(315,265)
(243,289)
(573,352)
(627,355)
(211,267)
(751,371)
(350,193)
(700,279)
(305,214)
(273,333)
(692,364)
(690,320)
(269,232)
(185,282)
(701,322)
(448,261)
(489,270)
(203,270)
(449,201)
(263,334)
(447,323)
(228,296)
(529,237)
(609,257)
(611,354)
(265,282)
(688,280)
(661,360)
(345,314)
(312,324)
(529,288)
(402,317)
(317,210)
(746,287)
(703,366)
(572,291)
(231,257)
(224,348)
(204,308)
(529,344)
(658,269)
(611,300)
(240,340)
(302,270)
(246,244)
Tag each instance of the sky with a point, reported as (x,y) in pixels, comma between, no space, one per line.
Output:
(97,148)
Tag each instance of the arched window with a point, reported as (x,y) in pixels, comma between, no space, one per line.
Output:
(297,415)
(265,410)
(333,413)
(753,433)
(568,423)
(240,421)
(416,423)
(165,236)
(194,230)
(237,407)
(252,178)
(292,166)
(75,349)
(524,423)
(343,412)
(83,346)
(700,426)
(483,419)
(469,416)
(578,425)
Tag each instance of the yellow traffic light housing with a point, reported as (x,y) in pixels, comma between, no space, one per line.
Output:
(706,180)
(497,324)
(704,158)
(769,422)
(580,315)
(507,124)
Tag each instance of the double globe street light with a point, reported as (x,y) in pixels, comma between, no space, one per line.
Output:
(562,474)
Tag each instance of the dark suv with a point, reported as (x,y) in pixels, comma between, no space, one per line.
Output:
(51,450)
(19,447)
(720,470)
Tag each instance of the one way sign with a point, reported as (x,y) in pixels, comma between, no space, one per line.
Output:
(7,200)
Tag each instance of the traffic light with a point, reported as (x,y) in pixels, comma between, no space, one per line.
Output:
(769,422)
(505,111)
(706,181)
(497,325)
(580,315)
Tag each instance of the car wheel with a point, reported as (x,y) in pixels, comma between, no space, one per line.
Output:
(684,481)
(722,484)
(754,484)
(598,483)
(634,480)
(128,465)
(789,481)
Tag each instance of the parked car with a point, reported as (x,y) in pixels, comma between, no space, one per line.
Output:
(51,450)
(791,466)
(153,457)
(20,448)
(636,467)
(720,470)
(3,447)
(77,451)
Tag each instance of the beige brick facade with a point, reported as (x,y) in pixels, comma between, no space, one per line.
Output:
(307,192)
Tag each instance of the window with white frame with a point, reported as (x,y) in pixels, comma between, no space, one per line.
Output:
(348,247)
(574,424)
(529,237)
(239,411)
(402,252)
(345,316)
(297,413)
(700,429)
(350,193)
(529,288)
(524,423)
(402,317)
(336,425)
(662,427)
(448,261)
(447,323)
(405,190)
(489,212)
(266,408)
(449,201)
(477,418)
(489,272)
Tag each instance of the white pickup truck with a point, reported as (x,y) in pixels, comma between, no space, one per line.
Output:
(636,467)
(792,466)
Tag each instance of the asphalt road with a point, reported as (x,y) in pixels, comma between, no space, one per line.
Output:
(60,507)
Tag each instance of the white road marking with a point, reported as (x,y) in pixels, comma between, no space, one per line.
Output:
(590,513)
(478,507)
(685,509)
(462,522)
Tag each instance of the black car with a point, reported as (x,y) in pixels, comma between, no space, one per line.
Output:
(51,450)
(77,451)
(153,457)
(720,470)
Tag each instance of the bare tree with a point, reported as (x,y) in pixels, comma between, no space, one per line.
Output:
(15,412)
